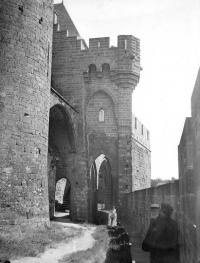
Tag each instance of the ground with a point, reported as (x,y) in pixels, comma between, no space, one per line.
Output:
(138,256)
(53,255)
(88,244)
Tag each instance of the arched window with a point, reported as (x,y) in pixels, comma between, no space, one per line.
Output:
(125,44)
(101,115)
(92,71)
(55,18)
(106,70)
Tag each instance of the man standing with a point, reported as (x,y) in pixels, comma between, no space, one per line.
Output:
(161,239)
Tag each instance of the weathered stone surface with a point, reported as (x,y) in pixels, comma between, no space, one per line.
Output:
(47,134)
(25,70)
(141,156)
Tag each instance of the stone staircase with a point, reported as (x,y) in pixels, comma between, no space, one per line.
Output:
(65,205)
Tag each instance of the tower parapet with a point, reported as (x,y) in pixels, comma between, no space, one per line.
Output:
(124,60)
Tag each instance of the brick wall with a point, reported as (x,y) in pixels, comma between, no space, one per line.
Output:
(25,68)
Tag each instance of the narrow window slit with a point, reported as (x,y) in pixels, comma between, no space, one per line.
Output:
(21,9)
(40,20)
(125,45)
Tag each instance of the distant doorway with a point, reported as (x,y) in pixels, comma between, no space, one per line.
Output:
(62,198)
(101,177)
(104,183)
(61,142)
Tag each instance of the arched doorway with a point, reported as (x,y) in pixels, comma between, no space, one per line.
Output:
(101,196)
(61,143)
(62,197)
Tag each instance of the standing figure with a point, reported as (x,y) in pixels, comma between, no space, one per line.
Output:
(112,217)
(161,239)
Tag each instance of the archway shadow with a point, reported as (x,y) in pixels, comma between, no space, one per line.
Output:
(61,217)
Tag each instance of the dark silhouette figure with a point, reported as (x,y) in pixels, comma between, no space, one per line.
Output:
(162,238)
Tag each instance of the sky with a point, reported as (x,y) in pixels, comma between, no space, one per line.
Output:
(169,33)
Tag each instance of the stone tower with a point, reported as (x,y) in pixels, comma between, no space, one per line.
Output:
(98,81)
(25,73)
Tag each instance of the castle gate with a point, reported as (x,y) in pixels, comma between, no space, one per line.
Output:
(61,149)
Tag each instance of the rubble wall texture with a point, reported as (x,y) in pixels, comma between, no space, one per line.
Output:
(25,71)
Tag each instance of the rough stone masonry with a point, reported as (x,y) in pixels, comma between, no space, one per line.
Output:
(57,118)
(25,68)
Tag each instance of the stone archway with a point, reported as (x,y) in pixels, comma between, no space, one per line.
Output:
(62,196)
(104,183)
(61,143)
(101,190)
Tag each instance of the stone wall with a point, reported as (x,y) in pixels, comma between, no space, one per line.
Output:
(41,137)
(180,195)
(187,220)
(64,20)
(25,73)
(196,153)
(183,194)
(143,203)
(141,156)
(139,203)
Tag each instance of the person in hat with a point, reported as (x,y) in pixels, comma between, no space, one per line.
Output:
(161,239)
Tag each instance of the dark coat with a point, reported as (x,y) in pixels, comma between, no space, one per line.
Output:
(161,241)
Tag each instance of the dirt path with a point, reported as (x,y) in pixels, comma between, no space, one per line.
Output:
(55,254)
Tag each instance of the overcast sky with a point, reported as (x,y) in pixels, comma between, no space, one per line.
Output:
(169,33)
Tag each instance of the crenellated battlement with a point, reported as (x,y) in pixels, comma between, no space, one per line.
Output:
(127,44)
(123,60)
(75,42)
(99,43)
(140,133)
